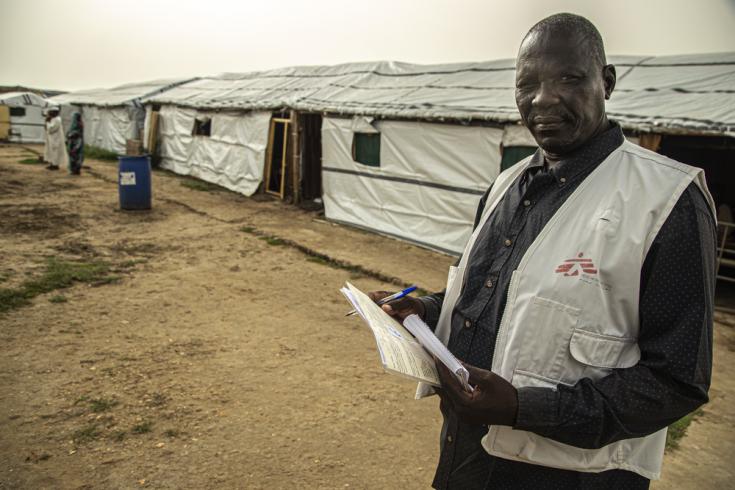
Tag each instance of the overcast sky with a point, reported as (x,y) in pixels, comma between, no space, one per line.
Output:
(75,44)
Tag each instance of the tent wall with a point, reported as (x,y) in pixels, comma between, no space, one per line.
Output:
(428,185)
(232,156)
(27,125)
(110,127)
(29,128)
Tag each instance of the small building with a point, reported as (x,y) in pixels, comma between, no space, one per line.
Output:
(22,117)
(111,115)
(407,150)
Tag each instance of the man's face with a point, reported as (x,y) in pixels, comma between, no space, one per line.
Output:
(561,90)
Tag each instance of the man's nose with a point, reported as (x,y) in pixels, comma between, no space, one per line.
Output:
(545,95)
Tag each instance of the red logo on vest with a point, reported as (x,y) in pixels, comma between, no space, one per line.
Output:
(571,267)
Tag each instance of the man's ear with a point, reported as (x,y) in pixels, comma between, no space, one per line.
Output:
(609,77)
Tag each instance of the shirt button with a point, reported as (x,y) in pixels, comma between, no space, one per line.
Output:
(449,439)
(563,180)
(467,323)
(489,284)
(508,242)
(526,203)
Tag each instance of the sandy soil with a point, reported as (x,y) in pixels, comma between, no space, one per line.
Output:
(218,359)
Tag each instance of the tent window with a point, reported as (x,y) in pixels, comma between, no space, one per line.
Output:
(366,149)
(202,127)
(18,111)
(514,154)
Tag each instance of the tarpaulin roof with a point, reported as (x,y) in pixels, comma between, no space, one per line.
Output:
(22,98)
(689,93)
(128,94)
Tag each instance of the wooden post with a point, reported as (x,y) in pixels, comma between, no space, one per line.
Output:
(295,157)
(269,155)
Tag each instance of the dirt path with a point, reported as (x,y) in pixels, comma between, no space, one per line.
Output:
(213,358)
(706,456)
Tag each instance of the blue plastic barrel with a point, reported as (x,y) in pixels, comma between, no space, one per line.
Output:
(134,182)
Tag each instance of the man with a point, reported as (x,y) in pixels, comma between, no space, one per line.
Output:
(582,305)
(55,151)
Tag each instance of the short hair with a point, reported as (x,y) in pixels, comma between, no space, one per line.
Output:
(572,24)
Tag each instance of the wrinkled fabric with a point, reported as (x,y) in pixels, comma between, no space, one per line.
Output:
(56,152)
(75,143)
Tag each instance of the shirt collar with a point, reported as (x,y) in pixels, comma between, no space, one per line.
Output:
(584,158)
(590,155)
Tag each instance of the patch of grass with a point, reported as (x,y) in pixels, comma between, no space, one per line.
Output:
(118,435)
(321,261)
(199,185)
(81,399)
(272,240)
(98,405)
(157,400)
(86,434)
(30,161)
(4,276)
(132,263)
(99,153)
(107,280)
(356,271)
(678,429)
(171,433)
(58,299)
(57,275)
(142,428)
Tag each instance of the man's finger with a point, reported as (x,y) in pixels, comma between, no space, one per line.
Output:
(477,375)
(451,384)
(378,295)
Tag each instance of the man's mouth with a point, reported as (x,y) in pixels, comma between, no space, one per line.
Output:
(547,123)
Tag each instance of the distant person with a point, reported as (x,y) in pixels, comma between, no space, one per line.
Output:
(55,153)
(46,118)
(75,144)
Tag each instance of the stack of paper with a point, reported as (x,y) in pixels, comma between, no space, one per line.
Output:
(433,345)
(401,352)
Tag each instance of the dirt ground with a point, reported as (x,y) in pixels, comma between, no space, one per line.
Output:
(217,357)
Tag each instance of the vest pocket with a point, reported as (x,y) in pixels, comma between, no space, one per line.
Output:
(603,351)
(543,338)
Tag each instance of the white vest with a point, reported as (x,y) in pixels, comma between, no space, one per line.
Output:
(572,309)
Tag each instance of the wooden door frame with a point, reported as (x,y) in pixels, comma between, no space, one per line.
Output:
(269,155)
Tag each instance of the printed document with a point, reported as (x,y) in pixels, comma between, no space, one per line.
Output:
(405,349)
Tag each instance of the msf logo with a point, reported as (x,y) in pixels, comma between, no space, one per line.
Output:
(571,267)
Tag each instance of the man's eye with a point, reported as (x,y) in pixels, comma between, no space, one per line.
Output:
(570,78)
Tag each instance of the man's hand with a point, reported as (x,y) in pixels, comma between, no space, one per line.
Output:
(400,308)
(494,401)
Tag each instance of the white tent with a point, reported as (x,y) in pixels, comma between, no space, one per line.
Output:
(24,112)
(112,116)
(443,130)
(231,155)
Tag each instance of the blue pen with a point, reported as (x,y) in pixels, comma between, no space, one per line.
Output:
(390,298)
